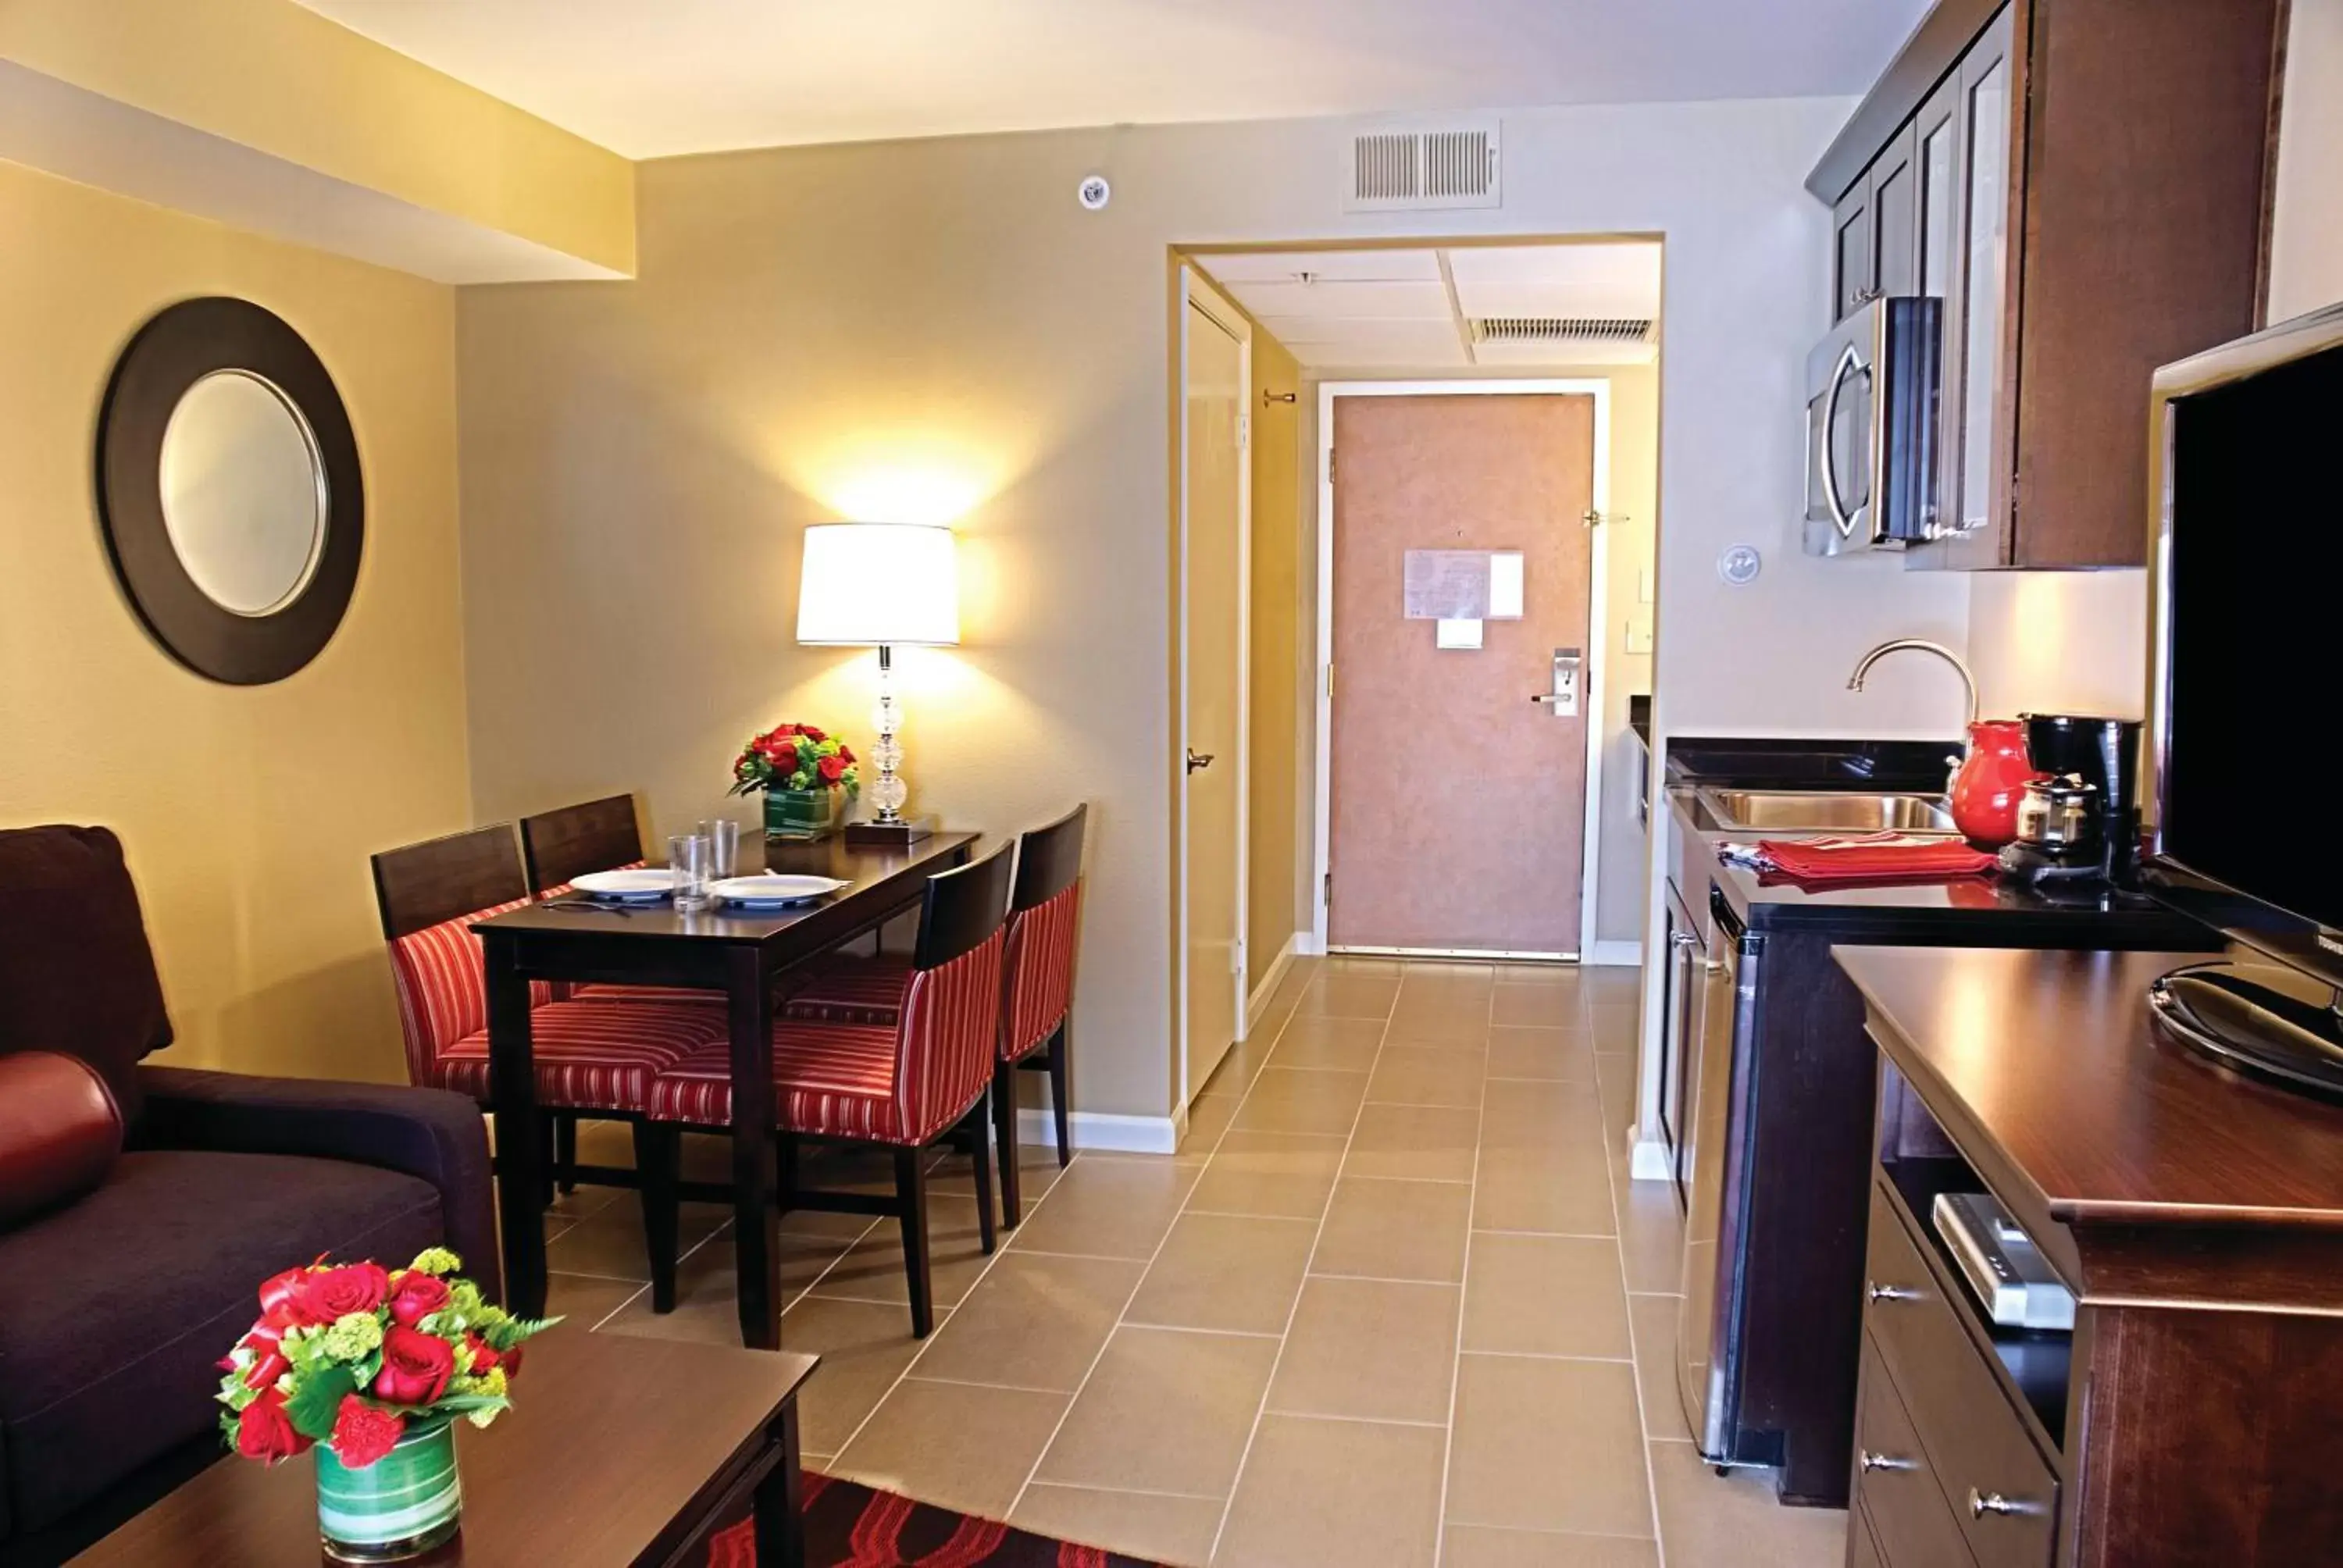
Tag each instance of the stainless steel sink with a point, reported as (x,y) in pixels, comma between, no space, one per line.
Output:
(1792,810)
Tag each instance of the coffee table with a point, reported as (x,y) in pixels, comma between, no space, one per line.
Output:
(619,1453)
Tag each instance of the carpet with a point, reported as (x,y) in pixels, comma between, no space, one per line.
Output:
(851,1526)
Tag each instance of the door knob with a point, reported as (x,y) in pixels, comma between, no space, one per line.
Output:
(1891,1293)
(1870,1461)
(1198,760)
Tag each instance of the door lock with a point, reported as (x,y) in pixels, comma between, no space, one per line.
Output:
(1198,760)
(1561,700)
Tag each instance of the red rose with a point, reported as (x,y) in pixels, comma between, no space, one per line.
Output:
(845,752)
(265,1433)
(510,1360)
(812,734)
(833,768)
(326,1294)
(280,1297)
(416,1366)
(363,1432)
(487,1358)
(417,1298)
(782,731)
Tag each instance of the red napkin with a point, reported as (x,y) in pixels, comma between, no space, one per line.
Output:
(1874,856)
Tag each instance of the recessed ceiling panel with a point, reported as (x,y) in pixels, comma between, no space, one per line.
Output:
(1330,265)
(1365,301)
(1296,330)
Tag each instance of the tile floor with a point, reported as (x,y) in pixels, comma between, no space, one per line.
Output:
(1395,1302)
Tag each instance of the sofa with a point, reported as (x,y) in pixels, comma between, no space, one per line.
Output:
(141,1206)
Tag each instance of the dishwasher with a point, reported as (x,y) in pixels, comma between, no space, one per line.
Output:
(1720,1093)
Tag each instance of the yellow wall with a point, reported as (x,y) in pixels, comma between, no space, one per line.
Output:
(248,812)
(280,78)
(1273,904)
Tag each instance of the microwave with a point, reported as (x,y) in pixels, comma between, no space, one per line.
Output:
(1871,428)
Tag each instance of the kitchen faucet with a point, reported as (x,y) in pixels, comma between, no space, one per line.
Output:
(1968,681)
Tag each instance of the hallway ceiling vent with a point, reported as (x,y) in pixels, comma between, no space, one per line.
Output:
(1562,329)
(1400,169)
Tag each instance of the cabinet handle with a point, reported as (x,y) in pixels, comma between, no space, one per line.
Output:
(1685,938)
(1871,1462)
(1891,1293)
(1983,1502)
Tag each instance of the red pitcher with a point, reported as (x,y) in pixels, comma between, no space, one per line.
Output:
(1989,782)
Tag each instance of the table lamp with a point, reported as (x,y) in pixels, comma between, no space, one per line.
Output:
(883,586)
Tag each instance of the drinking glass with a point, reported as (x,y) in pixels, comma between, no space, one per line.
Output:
(687,857)
(723,835)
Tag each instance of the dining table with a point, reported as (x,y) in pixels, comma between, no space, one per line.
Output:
(744,953)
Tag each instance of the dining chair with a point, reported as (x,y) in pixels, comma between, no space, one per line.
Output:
(559,846)
(1036,993)
(597,1058)
(904,1085)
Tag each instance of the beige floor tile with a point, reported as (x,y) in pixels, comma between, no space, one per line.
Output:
(1565,1189)
(1709,1521)
(872,1269)
(1548,1445)
(1362,964)
(1279,1175)
(1611,982)
(582,1301)
(568,1207)
(707,1288)
(1348,994)
(1615,1025)
(1209,1116)
(1229,1272)
(1164,1411)
(1407,1075)
(1238,1067)
(953,1445)
(1546,1006)
(1287,1100)
(1545,1295)
(1347,1043)
(1542,1116)
(1651,1236)
(1441,1016)
(864,1348)
(1655,1364)
(1395,1230)
(1363,1494)
(1035,1321)
(1543,1054)
(611,1245)
(1420,1143)
(1108,1208)
(1614,1078)
(1369,1349)
(1484,1546)
(954,1176)
(1152,1527)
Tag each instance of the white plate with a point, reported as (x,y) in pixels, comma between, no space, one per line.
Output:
(636,886)
(772,892)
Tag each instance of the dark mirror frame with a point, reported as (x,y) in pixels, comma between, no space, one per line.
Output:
(180,345)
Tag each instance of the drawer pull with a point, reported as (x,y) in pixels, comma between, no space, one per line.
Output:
(1892,1293)
(1983,1502)
(1871,1462)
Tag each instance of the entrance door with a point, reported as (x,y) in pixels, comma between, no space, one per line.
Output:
(1212,638)
(1458,805)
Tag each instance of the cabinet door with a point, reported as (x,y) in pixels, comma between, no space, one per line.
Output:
(1989,144)
(1896,218)
(1937,190)
(1853,273)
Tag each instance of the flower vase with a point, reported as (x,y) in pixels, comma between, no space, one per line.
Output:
(803,813)
(406,1503)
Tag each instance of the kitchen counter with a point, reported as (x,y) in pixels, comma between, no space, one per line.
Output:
(1739,763)
(1966,912)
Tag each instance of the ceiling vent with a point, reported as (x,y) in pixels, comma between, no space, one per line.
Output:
(1556,329)
(1413,169)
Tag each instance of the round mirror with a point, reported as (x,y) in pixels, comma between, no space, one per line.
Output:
(243,492)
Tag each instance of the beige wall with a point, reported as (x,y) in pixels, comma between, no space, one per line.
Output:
(1274,908)
(248,812)
(937,329)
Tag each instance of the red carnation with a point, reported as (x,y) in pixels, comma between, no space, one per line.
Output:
(324,1294)
(832,768)
(417,1298)
(416,1366)
(363,1432)
(265,1433)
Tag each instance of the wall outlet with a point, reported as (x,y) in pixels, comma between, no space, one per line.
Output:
(1639,632)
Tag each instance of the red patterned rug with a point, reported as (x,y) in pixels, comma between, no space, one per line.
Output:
(851,1526)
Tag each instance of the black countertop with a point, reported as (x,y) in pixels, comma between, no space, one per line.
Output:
(1771,764)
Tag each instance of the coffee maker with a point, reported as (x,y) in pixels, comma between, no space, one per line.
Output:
(2079,822)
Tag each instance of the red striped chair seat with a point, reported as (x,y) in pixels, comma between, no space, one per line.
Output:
(1040,962)
(594,1056)
(443,992)
(853,990)
(592,991)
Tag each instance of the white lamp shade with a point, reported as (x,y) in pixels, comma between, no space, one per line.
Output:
(869,584)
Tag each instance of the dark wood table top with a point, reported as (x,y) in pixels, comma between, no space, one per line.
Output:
(2047,1070)
(614,1445)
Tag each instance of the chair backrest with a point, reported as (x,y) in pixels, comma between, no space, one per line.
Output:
(594,836)
(1044,915)
(951,1017)
(428,895)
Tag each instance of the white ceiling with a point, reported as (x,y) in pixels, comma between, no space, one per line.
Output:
(650,78)
(1414,309)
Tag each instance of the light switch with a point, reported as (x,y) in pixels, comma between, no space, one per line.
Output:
(1639,631)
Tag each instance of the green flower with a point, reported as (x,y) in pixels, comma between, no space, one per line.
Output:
(464,1301)
(484,1417)
(435,1261)
(353,1336)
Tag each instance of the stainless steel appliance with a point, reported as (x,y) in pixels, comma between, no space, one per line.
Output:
(1720,1129)
(2080,822)
(1684,992)
(1871,428)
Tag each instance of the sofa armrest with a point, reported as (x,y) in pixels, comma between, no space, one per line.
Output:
(427,1133)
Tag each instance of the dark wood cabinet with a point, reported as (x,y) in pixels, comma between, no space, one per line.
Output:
(2084,183)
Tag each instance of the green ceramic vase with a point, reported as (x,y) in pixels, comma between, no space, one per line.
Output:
(406,1503)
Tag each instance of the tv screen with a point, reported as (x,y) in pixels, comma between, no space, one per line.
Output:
(2254,611)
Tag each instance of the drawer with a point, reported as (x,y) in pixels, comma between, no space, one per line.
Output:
(1999,1487)
(1862,1550)
(1896,1488)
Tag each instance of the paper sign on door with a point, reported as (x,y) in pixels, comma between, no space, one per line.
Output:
(1459,589)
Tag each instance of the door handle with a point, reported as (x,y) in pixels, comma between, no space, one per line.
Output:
(1891,1293)
(1849,361)
(1198,760)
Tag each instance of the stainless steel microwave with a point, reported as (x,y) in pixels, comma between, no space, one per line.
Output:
(1871,428)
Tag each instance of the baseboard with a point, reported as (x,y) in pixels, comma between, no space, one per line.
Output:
(1649,1161)
(1258,1003)
(1097,1130)
(1614,954)
(1306,945)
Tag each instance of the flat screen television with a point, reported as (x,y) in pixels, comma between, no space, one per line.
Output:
(2247,474)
